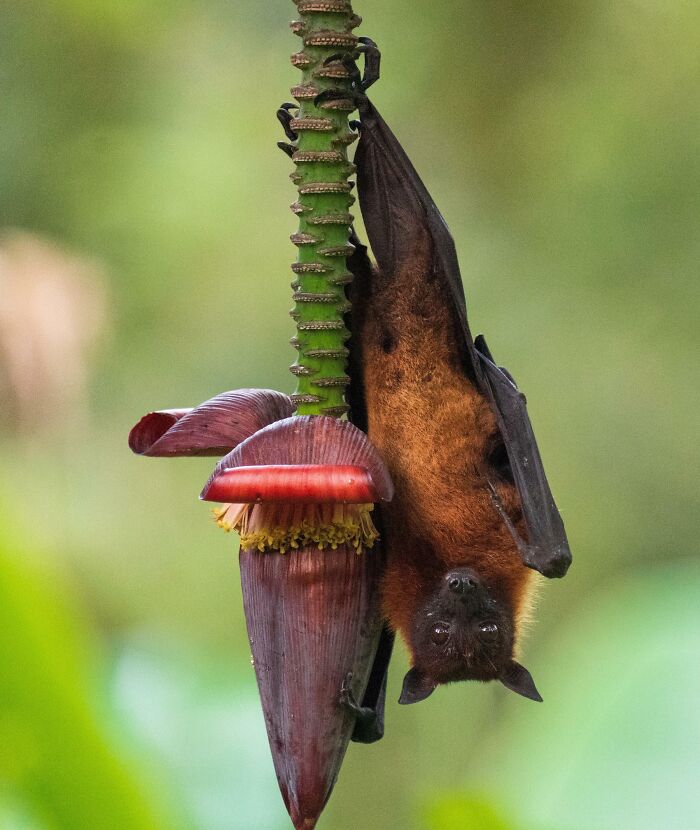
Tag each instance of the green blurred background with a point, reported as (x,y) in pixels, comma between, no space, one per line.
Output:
(144,264)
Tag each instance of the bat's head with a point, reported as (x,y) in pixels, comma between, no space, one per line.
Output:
(463,632)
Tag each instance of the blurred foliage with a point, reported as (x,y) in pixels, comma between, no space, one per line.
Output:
(459,812)
(561,140)
(55,756)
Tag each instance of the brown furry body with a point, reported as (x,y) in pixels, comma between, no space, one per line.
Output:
(436,432)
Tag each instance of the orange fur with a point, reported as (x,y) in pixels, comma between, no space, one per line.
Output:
(434,431)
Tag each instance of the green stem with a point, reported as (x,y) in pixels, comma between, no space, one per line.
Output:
(322,171)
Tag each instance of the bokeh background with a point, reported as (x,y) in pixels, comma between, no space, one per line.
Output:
(144,264)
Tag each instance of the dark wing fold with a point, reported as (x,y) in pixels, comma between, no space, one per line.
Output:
(371,728)
(547,549)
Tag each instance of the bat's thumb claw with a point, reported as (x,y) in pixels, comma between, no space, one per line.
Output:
(553,565)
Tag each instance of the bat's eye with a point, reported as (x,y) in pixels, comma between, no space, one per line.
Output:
(440,634)
(488,632)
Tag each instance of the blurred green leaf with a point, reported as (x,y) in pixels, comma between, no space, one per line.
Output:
(620,723)
(461,812)
(200,716)
(54,755)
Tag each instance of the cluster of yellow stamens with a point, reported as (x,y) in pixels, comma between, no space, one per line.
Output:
(274,526)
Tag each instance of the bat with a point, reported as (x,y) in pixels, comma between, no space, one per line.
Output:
(473,514)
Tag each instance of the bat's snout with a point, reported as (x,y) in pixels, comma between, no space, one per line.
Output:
(462,581)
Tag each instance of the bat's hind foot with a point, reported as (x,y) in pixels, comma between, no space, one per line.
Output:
(373,60)
(369,725)
(361,82)
(335,98)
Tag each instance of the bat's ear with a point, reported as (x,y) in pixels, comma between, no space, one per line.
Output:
(518,679)
(416,687)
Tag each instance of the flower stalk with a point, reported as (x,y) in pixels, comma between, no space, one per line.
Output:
(299,488)
(321,175)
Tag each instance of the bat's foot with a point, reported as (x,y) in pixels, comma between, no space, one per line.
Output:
(369,726)
(373,60)
(360,82)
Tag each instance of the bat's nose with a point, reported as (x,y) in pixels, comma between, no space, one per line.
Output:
(460,582)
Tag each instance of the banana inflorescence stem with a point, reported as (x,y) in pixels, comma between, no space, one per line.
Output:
(321,175)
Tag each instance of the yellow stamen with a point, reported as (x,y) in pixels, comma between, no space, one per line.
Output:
(228,516)
(283,527)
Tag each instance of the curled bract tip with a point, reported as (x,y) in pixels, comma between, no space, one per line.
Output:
(152,427)
(212,428)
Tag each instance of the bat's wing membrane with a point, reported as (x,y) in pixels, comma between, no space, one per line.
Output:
(547,549)
(370,728)
(398,210)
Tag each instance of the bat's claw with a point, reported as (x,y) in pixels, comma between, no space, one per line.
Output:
(284,116)
(288,149)
(335,95)
(347,697)
(552,564)
(347,61)
(369,727)
(373,60)
(361,82)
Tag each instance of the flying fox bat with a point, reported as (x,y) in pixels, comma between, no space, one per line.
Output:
(472,514)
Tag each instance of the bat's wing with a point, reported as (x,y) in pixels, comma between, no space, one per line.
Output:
(369,726)
(398,210)
(547,548)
